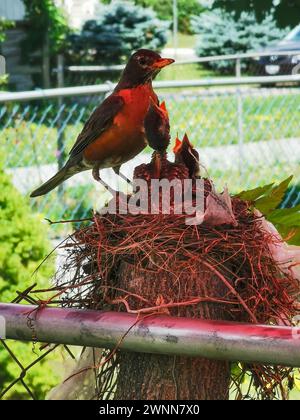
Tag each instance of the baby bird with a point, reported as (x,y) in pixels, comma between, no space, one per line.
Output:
(157,129)
(186,154)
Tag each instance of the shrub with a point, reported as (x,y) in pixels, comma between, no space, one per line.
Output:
(219,33)
(23,247)
(23,241)
(164,10)
(121,28)
(44,19)
(4,26)
(46,34)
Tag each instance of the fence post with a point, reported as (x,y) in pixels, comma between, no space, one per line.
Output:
(240,122)
(61,154)
(60,71)
(175,27)
(46,62)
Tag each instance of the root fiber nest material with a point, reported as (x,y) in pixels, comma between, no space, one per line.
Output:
(176,269)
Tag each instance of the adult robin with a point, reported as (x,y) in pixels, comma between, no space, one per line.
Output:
(114,133)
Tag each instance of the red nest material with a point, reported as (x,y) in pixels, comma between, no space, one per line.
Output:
(259,290)
(238,254)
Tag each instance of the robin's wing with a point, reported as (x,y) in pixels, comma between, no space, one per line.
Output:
(98,122)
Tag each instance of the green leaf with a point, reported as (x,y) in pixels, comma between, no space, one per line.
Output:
(287,217)
(252,195)
(238,372)
(289,233)
(273,197)
(297,381)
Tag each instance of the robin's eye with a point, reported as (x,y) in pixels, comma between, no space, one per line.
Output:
(143,61)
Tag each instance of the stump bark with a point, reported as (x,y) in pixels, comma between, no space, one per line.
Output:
(149,377)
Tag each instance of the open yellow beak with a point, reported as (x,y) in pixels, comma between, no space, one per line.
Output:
(163,62)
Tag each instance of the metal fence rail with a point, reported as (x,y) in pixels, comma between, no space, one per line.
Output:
(236,58)
(190,337)
(246,135)
(105,88)
(253,63)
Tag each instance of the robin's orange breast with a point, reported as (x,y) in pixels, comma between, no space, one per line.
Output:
(125,138)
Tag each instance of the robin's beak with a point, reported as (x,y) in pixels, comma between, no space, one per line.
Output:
(178,145)
(163,62)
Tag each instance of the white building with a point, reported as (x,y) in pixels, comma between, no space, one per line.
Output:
(12,9)
(77,11)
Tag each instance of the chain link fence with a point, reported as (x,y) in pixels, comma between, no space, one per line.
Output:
(24,378)
(246,136)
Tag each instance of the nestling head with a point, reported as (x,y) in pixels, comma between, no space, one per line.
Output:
(186,153)
(157,126)
(143,66)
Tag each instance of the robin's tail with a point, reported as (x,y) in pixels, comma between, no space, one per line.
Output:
(53,182)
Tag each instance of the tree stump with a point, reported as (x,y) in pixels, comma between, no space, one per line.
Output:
(149,377)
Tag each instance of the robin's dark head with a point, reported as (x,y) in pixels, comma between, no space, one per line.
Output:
(157,127)
(186,153)
(142,67)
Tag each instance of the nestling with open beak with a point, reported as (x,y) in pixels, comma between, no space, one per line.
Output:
(186,154)
(115,132)
(157,129)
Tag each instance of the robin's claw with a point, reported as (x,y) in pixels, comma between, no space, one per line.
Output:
(96,174)
(116,170)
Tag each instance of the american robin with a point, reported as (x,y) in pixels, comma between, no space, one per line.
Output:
(114,133)
(186,154)
(157,129)
(157,126)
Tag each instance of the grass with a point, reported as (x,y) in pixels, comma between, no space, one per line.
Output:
(184,72)
(210,121)
(183,40)
(213,121)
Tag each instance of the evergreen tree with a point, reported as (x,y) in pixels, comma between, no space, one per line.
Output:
(121,28)
(220,34)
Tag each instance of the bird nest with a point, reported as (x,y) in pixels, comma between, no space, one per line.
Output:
(249,284)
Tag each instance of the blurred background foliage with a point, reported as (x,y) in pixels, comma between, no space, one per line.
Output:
(121,28)
(221,34)
(5,24)
(285,12)
(24,244)
(44,20)
(164,10)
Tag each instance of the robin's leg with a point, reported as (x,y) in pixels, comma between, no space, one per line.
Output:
(117,171)
(96,176)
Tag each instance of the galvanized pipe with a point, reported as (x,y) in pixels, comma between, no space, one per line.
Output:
(207,59)
(108,87)
(155,334)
